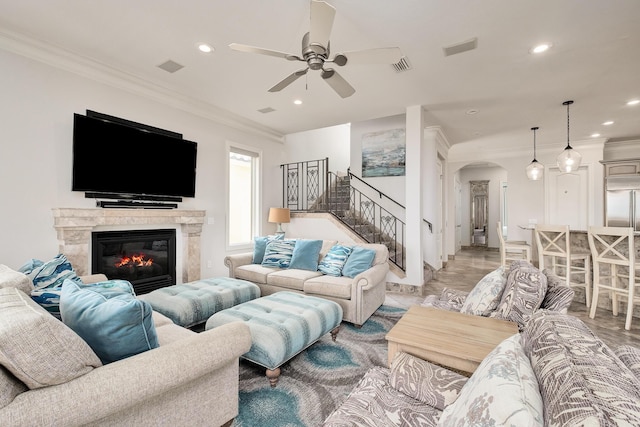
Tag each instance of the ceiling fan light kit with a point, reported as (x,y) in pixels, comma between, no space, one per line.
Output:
(315,52)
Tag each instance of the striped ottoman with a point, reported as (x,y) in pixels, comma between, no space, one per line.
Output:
(192,303)
(282,325)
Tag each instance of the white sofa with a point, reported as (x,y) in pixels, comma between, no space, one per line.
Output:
(190,379)
(359,297)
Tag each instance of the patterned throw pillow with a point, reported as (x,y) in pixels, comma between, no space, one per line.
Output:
(437,387)
(333,262)
(47,278)
(278,253)
(109,318)
(503,391)
(559,296)
(581,380)
(522,296)
(260,245)
(485,296)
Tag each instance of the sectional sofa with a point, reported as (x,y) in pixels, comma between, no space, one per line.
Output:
(555,373)
(359,296)
(50,376)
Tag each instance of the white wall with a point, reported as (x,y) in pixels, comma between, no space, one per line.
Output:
(526,199)
(331,142)
(37,106)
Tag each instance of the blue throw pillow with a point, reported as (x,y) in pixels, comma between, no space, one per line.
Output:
(47,278)
(278,253)
(334,260)
(305,254)
(260,245)
(360,260)
(107,315)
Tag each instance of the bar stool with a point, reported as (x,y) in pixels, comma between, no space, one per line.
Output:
(553,242)
(614,249)
(512,250)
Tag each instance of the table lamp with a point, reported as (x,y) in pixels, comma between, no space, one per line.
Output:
(279,216)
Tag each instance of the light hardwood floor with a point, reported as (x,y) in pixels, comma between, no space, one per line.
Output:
(470,265)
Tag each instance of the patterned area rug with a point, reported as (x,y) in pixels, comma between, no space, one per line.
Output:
(316,381)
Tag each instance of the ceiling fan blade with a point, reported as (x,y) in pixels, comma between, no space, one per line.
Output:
(339,84)
(288,80)
(262,51)
(383,55)
(322,15)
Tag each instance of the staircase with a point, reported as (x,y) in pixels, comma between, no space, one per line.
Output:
(363,209)
(364,217)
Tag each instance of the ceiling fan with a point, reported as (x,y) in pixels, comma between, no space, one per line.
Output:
(315,52)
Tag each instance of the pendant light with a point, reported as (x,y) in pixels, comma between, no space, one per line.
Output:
(569,159)
(535,169)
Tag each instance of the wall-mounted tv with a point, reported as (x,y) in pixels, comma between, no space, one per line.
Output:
(131,160)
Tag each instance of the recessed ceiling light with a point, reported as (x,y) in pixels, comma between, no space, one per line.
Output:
(634,102)
(297,102)
(541,48)
(608,122)
(205,48)
(595,135)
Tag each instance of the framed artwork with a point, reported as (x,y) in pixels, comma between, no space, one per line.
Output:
(383,153)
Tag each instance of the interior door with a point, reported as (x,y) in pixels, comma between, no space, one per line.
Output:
(568,198)
(458,215)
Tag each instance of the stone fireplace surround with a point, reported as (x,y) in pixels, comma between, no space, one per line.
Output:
(74,227)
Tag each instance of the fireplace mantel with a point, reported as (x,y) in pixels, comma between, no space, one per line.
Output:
(74,227)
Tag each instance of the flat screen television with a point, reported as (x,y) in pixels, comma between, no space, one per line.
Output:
(131,160)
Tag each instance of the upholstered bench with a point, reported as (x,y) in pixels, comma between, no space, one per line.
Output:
(282,325)
(193,303)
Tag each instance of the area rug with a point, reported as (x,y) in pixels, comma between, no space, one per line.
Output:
(316,381)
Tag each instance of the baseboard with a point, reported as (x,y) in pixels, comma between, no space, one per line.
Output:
(405,289)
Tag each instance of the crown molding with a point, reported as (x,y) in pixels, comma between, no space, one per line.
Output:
(63,59)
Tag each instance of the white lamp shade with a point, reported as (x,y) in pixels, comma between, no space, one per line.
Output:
(569,160)
(535,170)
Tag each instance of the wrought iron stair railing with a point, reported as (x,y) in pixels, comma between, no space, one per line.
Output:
(310,187)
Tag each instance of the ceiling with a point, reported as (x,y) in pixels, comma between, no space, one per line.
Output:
(594,60)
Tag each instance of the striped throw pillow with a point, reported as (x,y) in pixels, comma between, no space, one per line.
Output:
(333,262)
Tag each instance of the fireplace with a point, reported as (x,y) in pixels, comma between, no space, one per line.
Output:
(146,258)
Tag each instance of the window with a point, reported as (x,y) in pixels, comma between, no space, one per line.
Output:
(243,196)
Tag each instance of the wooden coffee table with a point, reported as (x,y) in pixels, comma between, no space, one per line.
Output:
(451,339)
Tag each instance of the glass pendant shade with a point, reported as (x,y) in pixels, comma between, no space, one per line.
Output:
(535,170)
(569,160)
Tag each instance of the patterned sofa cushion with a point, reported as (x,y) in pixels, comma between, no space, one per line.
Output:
(449,299)
(374,403)
(582,382)
(503,391)
(486,294)
(630,356)
(523,294)
(333,262)
(424,381)
(559,296)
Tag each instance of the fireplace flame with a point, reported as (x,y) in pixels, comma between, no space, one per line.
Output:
(136,260)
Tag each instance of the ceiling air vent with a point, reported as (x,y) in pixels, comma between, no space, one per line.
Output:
(402,65)
(461,47)
(170,66)
(266,110)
